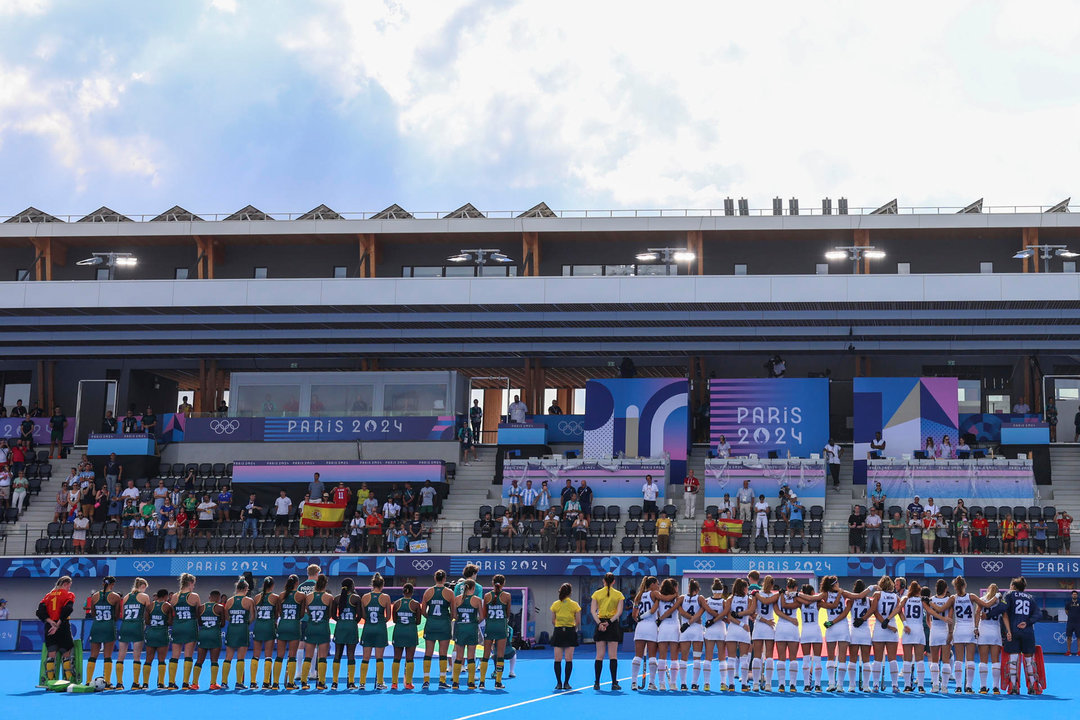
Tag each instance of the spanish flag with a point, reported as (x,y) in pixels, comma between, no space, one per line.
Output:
(322,515)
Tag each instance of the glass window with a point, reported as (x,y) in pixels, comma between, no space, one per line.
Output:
(740,269)
(618,269)
(341,400)
(986,267)
(903,268)
(969,396)
(427,271)
(998,404)
(414,399)
(101,274)
(567,270)
(181,273)
(579,403)
(1068,266)
(260,273)
(459,271)
(22,274)
(341,271)
(495,270)
(657,269)
(587,270)
(822,268)
(268,400)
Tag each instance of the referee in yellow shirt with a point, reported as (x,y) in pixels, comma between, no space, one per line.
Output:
(607,608)
(566,617)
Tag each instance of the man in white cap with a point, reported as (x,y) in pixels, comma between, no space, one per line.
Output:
(796,514)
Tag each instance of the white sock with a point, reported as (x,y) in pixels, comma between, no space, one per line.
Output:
(894,672)
(920,674)
(995,669)
(984,670)
(1014,675)
(830,672)
(513,664)
(299,659)
(958,673)
(697,670)
(874,668)
(969,671)
(744,669)
(935,674)
(661,669)
(730,667)
(770,666)
(946,673)
(792,671)
(807,671)
(635,669)
(652,670)
(755,671)
(680,672)
(673,673)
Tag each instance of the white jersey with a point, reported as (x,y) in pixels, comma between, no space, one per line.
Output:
(989,629)
(646,627)
(669,626)
(860,610)
(887,602)
(939,629)
(811,630)
(964,614)
(913,622)
(739,629)
(762,631)
(838,631)
(717,630)
(787,631)
(694,632)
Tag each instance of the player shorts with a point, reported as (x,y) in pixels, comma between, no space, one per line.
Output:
(883,635)
(811,633)
(694,633)
(1022,643)
(668,632)
(762,631)
(1072,630)
(646,629)
(738,633)
(860,635)
(613,633)
(565,637)
(786,632)
(963,633)
(913,634)
(716,632)
(989,633)
(838,632)
(939,634)
(60,640)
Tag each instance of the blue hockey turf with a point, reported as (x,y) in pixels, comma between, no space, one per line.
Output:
(529,696)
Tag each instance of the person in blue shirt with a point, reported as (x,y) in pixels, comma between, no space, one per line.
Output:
(1019,618)
(1072,623)
(795,513)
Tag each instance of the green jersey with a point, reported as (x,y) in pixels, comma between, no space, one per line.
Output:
(459,588)
(185,627)
(498,615)
(374,622)
(308,588)
(264,619)
(157,626)
(132,619)
(347,629)
(237,634)
(209,628)
(467,623)
(103,629)
(406,631)
(437,614)
(288,627)
(317,631)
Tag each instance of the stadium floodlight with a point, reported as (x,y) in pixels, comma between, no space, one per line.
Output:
(668,256)
(110,260)
(480,256)
(1045,253)
(855,253)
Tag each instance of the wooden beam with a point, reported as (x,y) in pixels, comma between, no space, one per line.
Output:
(862,239)
(695,245)
(48,252)
(1030,236)
(530,254)
(369,255)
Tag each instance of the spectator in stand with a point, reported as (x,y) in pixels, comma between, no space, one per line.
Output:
(184,407)
(761,517)
(833,453)
(580,529)
(341,494)
(149,424)
(723,449)
(316,488)
(1023,535)
(36,411)
(584,496)
(465,438)
(1076,427)
(362,495)
(18,457)
(549,532)
(5,452)
(517,410)
(373,523)
(1050,415)
(282,509)
(745,499)
(26,434)
(946,449)
(943,535)
(963,532)
(487,533)
(980,529)
(57,423)
(108,423)
(5,488)
(796,514)
(962,446)
(649,493)
(130,424)
(915,528)
(554,408)
(915,509)
(567,491)
(371,506)
(250,515)
(86,499)
(391,511)
(960,507)
(572,508)
(877,447)
(1039,529)
(161,494)
(357,530)
(206,515)
(129,515)
(78,535)
(401,538)
(116,506)
(663,533)
(427,501)
(878,498)
(873,531)
(1008,535)
(19,410)
(1064,524)
(172,530)
(138,534)
(114,472)
(528,500)
(730,505)
(507,528)
(416,528)
(514,498)
(898,531)
(930,449)
(543,499)
(856,530)
(929,532)
(20,486)
(1021,407)
(476,419)
(691,487)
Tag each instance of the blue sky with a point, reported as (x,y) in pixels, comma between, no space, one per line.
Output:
(214,104)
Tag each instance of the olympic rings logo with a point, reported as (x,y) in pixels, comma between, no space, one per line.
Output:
(571,427)
(422,564)
(703,564)
(992,565)
(143,565)
(224,427)
(1059,637)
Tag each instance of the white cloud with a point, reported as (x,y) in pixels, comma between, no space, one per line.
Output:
(225,6)
(24,7)
(683,105)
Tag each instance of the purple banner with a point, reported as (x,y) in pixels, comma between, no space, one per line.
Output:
(334,471)
(9,428)
(368,429)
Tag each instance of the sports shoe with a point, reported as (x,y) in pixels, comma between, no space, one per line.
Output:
(426,685)
(215,686)
(350,686)
(192,686)
(393,685)
(172,686)
(693,688)
(455,686)
(512,676)
(997,691)
(984,690)
(615,686)
(443,685)
(408,686)
(633,684)
(596,686)
(705,687)
(320,686)
(970,691)
(380,686)
(652,687)
(305,686)
(498,686)
(909,689)
(683,688)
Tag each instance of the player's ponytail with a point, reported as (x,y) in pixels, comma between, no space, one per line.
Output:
(377,581)
(565,590)
(646,582)
(858,587)
(321,583)
(267,586)
(62,581)
(290,586)
(241,585)
(139,585)
(497,583)
(440,576)
(941,587)
(692,588)
(959,584)
(609,580)
(407,590)
(346,590)
(717,586)
(186,580)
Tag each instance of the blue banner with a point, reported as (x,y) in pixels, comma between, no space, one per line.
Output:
(9,634)
(562,428)
(787,416)
(321,429)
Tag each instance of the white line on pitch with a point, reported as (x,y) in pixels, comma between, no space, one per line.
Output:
(528,702)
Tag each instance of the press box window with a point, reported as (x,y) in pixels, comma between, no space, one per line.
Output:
(181,273)
(260,273)
(340,271)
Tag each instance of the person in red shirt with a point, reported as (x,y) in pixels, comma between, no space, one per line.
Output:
(54,610)
(979,528)
(691,486)
(1064,522)
(341,494)
(373,523)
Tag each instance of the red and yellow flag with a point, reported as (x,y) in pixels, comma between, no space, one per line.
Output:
(322,515)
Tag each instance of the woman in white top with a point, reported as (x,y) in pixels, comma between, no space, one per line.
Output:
(886,610)
(644,614)
(837,606)
(913,639)
(860,644)
(737,615)
(946,449)
(715,633)
(691,634)
(939,609)
(966,606)
(667,635)
(988,637)
(810,637)
(764,636)
(931,449)
(787,634)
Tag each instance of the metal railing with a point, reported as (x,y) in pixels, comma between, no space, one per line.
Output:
(574,214)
